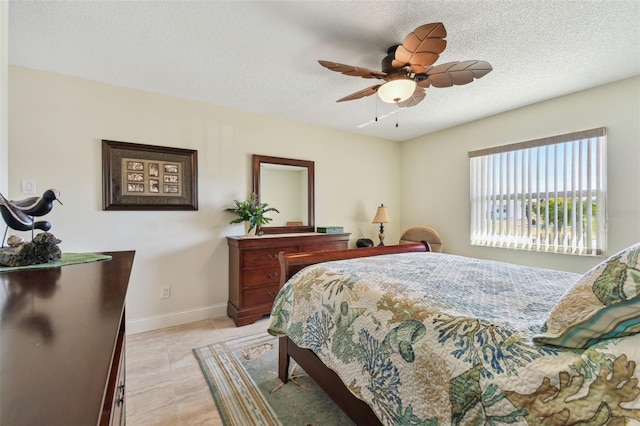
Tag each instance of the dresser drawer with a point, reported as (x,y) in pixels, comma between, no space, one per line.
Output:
(259,296)
(264,257)
(261,276)
(324,247)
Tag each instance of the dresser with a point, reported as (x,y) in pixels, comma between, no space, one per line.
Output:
(62,343)
(254,271)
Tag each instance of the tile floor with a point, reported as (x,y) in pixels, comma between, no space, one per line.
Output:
(165,386)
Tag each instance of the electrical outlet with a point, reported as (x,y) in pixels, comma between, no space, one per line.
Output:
(165,292)
(28,186)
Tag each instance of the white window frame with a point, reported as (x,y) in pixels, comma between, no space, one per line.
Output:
(522,194)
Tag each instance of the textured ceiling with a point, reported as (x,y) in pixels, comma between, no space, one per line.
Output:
(262,56)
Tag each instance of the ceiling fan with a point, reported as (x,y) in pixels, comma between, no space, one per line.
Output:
(407,69)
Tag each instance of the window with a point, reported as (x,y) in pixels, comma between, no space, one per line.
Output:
(544,195)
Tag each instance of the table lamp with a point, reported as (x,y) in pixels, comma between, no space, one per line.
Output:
(382,217)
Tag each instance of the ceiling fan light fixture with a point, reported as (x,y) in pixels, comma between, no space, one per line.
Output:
(396,91)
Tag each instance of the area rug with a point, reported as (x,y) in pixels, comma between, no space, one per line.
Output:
(243,377)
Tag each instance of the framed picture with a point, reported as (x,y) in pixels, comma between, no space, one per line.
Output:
(148,177)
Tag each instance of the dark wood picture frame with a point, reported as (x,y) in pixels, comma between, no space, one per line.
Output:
(148,177)
(259,160)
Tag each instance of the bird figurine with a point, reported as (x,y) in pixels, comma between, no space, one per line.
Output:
(38,206)
(17,219)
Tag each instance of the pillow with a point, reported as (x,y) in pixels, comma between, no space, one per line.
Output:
(601,304)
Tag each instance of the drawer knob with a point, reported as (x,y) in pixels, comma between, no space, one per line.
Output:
(272,294)
(272,256)
(272,276)
(120,396)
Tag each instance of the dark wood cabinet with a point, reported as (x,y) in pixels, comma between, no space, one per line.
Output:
(254,271)
(113,410)
(63,343)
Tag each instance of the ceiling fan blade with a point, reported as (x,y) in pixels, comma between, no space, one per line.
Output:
(422,46)
(417,97)
(361,94)
(453,73)
(351,70)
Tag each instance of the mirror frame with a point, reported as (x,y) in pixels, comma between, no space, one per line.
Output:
(310,166)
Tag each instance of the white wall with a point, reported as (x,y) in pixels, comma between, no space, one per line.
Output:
(435,169)
(4,70)
(56,124)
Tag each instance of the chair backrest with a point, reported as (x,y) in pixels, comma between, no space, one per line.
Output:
(416,234)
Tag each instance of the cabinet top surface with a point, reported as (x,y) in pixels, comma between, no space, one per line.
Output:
(291,235)
(58,335)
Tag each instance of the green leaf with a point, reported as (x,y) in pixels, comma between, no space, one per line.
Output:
(252,211)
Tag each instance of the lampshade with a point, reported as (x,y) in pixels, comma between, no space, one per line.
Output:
(382,215)
(398,90)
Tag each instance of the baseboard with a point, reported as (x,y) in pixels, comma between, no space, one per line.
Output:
(175,318)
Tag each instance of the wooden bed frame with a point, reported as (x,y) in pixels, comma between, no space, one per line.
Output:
(326,378)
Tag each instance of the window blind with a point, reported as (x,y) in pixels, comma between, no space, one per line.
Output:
(546,194)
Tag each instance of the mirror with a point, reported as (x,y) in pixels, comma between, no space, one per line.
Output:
(287,185)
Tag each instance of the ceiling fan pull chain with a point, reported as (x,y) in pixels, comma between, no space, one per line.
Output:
(376,109)
(397,118)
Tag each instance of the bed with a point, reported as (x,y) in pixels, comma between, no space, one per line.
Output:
(401,335)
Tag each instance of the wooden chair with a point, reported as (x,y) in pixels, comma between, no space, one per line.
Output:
(416,234)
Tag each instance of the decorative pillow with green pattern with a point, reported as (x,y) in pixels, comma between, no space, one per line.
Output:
(603,303)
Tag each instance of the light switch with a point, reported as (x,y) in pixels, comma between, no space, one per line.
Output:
(28,186)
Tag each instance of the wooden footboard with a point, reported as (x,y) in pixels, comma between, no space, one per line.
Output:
(292,263)
(326,378)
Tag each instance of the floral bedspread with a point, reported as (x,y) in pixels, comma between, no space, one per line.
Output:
(437,339)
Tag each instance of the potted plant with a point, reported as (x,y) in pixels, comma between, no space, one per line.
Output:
(251,212)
